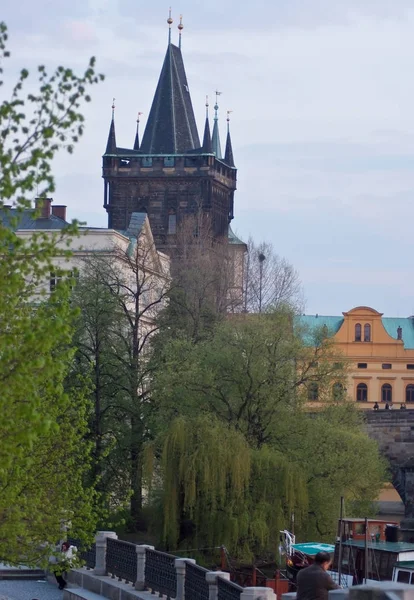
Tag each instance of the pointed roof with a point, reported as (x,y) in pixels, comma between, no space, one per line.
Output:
(136,141)
(207,147)
(111,143)
(171,126)
(216,134)
(228,155)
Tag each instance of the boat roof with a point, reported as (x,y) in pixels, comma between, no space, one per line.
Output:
(359,520)
(405,564)
(312,548)
(396,547)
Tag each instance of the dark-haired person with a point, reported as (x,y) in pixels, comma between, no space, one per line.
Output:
(314,583)
(64,564)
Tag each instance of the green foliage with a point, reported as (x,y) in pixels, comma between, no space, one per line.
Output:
(242,396)
(43,456)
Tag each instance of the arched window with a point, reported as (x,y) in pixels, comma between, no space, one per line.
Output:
(367,332)
(172,222)
(386,393)
(409,393)
(313,392)
(358,332)
(337,391)
(362,392)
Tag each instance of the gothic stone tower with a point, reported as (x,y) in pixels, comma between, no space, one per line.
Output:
(170,175)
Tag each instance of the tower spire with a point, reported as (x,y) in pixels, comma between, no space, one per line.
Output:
(111,143)
(228,156)
(207,147)
(216,134)
(136,142)
(180,29)
(170,22)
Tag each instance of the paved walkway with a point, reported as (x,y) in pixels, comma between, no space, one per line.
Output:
(29,590)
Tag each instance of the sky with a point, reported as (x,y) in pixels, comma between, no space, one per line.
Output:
(322,94)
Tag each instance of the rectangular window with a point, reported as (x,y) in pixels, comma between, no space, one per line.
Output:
(146,161)
(172,223)
(403,576)
(54,280)
(362,365)
(410,367)
(169,161)
(386,365)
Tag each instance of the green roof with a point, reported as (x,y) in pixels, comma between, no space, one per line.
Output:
(310,323)
(405,564)
(233,239)
(395,547)
(312,548)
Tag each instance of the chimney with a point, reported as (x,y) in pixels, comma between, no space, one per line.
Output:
(59,210)
(43,204)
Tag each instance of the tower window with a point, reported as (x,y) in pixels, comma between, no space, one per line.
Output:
(367,332)
(358,330)
(362,392)
(172,222)
(313,392)
(409,393)
(386,393)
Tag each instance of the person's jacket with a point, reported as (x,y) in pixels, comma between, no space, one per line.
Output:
(314,583)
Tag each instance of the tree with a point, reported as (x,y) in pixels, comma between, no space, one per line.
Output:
(252,379)
(119,296)
(204,288)
(43,458)
(270,281)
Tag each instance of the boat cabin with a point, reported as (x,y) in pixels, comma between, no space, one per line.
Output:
(303,555)
(354,529)
(404,572)
(382,559)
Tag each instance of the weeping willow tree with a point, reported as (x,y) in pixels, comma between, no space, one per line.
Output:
(217,490)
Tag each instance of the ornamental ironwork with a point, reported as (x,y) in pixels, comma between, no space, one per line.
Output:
(227,590)
(160,574)
(196,586)
(121,560)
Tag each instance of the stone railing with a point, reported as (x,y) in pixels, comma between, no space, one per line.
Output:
(143,568)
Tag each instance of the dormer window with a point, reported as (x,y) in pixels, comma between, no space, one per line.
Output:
(367,332)
(358,332)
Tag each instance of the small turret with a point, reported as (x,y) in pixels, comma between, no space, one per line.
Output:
(207,147)
(111,143)
(215,141)
(228,156)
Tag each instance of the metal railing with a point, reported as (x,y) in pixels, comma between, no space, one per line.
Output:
(160,573)
(196,586)
(227,590)
(88,555)
(121,560)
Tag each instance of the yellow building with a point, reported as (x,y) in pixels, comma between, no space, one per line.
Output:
(380,352)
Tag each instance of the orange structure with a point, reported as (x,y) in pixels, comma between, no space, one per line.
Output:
(380,354)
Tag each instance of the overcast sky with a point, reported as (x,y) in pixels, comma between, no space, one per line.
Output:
(322,95)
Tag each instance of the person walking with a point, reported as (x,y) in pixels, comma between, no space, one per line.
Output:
(64,564)
(314,583)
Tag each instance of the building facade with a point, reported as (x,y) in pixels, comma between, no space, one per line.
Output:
(170,174)
(131,254)
(379,352)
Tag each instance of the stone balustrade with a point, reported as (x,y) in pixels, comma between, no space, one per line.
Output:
(141,568)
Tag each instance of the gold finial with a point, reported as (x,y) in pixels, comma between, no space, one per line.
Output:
(139,114)
(169,21)
(207,107)
(180,28)
(113,107)
(228,115)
